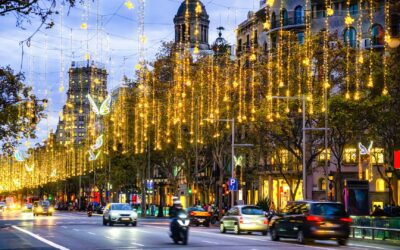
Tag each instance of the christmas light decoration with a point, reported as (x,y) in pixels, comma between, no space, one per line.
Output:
(128,4)
(99,143)
(104,107)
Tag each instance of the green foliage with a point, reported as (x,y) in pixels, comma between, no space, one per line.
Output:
(264,204)
(20,110)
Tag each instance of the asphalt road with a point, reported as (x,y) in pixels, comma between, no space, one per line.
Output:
(77,231)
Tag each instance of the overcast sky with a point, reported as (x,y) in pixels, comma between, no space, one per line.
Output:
(113,40)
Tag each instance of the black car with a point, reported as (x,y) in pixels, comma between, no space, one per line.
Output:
(312,220)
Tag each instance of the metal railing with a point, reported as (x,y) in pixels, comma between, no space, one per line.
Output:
(376,228)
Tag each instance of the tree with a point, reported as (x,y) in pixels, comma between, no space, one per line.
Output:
(24,11)
(20,110)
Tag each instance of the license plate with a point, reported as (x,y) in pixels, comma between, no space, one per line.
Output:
(201,220)
(125,219)
(328,224)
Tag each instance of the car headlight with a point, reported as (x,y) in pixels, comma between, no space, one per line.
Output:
(40,209)
(113,214)
(51,209)
(134,214)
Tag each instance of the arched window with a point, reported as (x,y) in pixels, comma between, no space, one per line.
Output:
(273,20)
(322,184)
(377,35)
(350,36)
(284,16)
(380,185)
(299,15)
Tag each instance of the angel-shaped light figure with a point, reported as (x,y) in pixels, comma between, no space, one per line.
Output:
(99,143)
(364,150)
(29,168)
(53,173)
(238,160)
(20,156)
(92,156)
(104,107)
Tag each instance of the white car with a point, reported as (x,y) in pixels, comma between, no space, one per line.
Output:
(119,213)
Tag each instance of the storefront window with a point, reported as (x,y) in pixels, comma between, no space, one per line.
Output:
(350,155)
(377,156)
(322,155)
(265,189)
(380,185)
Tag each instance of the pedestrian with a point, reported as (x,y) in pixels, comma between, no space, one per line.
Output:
(272,207)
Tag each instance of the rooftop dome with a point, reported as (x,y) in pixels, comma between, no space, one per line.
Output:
(192,7)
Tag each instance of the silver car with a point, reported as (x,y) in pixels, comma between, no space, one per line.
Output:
(119,213)
(244,218)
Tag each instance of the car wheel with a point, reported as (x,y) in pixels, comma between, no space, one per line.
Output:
(104,222)
(207,224)
(274,234)
(126,224)
(236,229)
(222,228)
(110,223)
(134,224)
(264,232)
(300,237)
(342,242)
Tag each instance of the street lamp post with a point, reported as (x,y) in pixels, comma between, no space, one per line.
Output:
(389,174)
(330,178)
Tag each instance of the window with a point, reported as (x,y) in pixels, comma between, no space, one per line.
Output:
(247,41)
(377,35)
(380,185)
(300,38)
(255,37)
(350,155)
(350,37)
(273,20)
(377,156)
(353,9)
(322,155)
(240,45)
(284,17)
(322,184)
(299,15)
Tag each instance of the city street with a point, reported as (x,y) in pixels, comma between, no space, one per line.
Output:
(76,231)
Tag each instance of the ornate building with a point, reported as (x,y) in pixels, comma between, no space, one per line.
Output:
(194,13)
(86,77)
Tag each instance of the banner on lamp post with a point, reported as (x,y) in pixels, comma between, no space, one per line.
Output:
(396,164)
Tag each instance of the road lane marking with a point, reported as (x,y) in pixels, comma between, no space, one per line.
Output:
(355,245)
(76,229)
(91,233)
(211,242)
(50,243)
(247,238)
(137,244)
(110,238)
(64,227)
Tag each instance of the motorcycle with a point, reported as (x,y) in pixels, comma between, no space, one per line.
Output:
(180,229)
(89,213)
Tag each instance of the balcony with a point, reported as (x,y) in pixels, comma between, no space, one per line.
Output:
(287,23)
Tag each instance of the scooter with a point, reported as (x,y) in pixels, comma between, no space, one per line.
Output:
(180,229)
(89,213)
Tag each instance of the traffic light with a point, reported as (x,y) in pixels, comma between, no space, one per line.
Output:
(190,191)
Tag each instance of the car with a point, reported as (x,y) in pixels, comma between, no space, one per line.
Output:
(2,206)
(119,213)
(27,207)
(42,207)
(312,220)
(198,216)
(246,218)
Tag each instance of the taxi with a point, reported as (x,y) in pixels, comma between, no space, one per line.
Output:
(198,216)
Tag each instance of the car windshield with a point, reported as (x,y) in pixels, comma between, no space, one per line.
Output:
(45,203)
(199,209)
(120,207)
(329,209)
(252,211)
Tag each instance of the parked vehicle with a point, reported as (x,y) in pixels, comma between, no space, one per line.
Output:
(2,206)
(244,218)
(119,213)
(309,220)
(198,216)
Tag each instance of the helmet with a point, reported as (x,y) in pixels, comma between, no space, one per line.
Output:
(177,202)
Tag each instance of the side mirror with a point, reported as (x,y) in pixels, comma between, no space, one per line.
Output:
(134,209)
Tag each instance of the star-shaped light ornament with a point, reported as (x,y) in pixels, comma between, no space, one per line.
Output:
(267,25)
(87,56)
(196,50)
(349,20)
(198,8)
(129,5)
(84,26)
(270,2)
(138,66)
(143,39)
(330,11)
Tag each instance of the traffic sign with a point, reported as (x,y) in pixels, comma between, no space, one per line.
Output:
(233,185)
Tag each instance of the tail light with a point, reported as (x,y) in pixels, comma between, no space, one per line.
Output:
(241,220)
(348,220)
(314,218)
(266,222)
(192,213)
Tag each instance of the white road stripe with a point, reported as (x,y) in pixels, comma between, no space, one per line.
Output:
(109,238)
(64,227)
(137,244)
(91,233)
(355,245)
(50,243)
(211,242)
(76,229)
